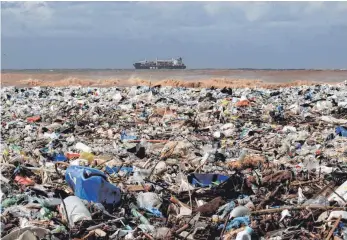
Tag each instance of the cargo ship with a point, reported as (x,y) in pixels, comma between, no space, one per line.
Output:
(174,63)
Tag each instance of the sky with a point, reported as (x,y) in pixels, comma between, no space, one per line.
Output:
(205,34)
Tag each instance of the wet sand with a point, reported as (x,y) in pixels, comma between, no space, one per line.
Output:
(185,78)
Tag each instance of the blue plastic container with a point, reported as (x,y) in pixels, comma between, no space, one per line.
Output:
(124,136)
(342,131)
(205,180)
(113,170)
(91,184)
(60,158)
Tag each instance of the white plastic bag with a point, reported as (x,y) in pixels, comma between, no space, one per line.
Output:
(148,200)
(82,147)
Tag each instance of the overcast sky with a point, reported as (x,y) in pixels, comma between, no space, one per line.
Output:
(205,34)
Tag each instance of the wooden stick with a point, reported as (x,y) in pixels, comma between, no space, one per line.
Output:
(150,141)
(184,227)
(268,197)
(276,210)
(333,229)
(148,236)
(105,223)
(302,183)
(225,225)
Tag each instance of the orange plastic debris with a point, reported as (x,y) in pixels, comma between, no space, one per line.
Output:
(72,155)
(33,119)
(243,103)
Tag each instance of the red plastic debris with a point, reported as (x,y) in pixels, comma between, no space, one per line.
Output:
(24,180)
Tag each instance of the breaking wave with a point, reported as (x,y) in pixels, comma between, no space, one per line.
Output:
(251,79)
(208,83)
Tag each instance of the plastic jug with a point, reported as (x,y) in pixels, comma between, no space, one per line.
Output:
(92,185)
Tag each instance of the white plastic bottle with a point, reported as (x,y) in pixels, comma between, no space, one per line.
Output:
(76,210)
(245,234)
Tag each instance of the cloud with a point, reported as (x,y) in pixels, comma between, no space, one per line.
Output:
(153,19)
(33,13)
(194,28)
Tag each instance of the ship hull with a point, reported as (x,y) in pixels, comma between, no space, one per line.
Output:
(159,67)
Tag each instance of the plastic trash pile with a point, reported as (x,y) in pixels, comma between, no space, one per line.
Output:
(174,163)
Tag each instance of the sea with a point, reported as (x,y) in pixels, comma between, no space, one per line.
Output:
(108,77)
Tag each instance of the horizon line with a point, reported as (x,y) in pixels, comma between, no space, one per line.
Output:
(266,69)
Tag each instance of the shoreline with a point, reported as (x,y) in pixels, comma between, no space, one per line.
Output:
(181,78)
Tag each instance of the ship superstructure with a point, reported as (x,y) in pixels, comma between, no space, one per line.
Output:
(173,63)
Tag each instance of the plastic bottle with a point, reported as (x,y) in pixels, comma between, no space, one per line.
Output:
(245,234)
(45,213)
(75,209)
(140,216)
